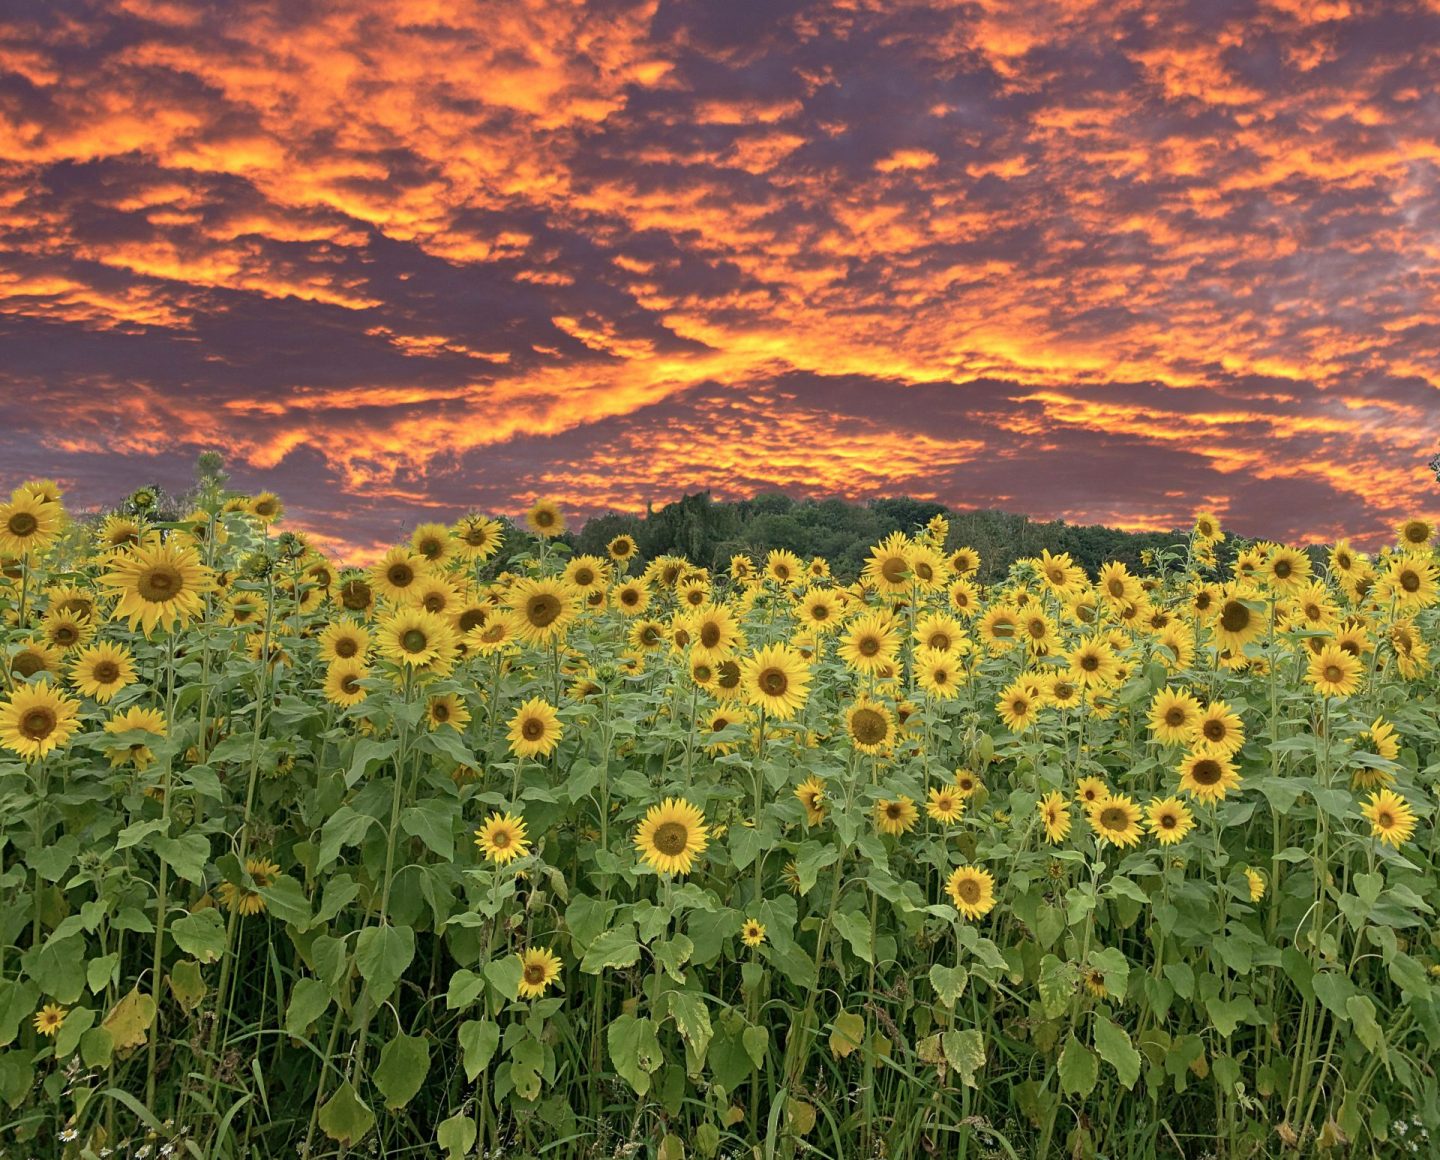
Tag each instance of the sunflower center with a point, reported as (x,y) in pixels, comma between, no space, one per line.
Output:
(1283,569)
(27,664)
(500,839)
(1063,690)
(472,618)
(939,640)
(820,611)
(1384,819)
(1410,580)
(22,524)
(355,595)
(968,890)
(440,711)
(38,723)
(1116,587)
(414,640)
(774,682)
(1334,674)
(534,974)
(1174,716)
(1089,662)
(671,838)
(1168,821)
(1234,617)
(543,519)
(533,729)
(1206,772)
(710,634)
(868,726)
(940,676)
(350,685)
(729,675)
(542,610)
(1114,818)
(434,601)
(894,811)
(431,549)
(1214,730)
(1343,562)
(65,634)
(475,537)
(106,672)
(1037,629)
(160,584)
(894,569)
(400,575)
(346,647)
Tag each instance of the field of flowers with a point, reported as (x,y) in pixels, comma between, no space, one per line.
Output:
(589,858)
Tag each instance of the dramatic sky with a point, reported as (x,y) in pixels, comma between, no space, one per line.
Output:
(1109,261)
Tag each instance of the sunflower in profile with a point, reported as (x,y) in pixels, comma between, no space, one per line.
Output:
(896,816)
(1090,791)
(871,643)
(776,679)
(535,729)
(1333,672)
(102,670)
(502,838)
(1116,820)
(477,537)
(411,636)
(1055,816)
(135,720)
(622,549)
(539,967)
(1174,716)
(671,836)
(939,673)
(433,542)
(28,524)
(1093,664)
(545,520)
(821,610)
(1018,705)
(870,726)
(1414,535)
(944,804)
(1255,883)
(631,598)
(1219,730)
(1391,818)
(543,610)
(247,900)
(1207,777)
(160,586)
(447,710)
(342,683)
(811,794)
(972,890)
(752,932)
(36,719)
(1169,819)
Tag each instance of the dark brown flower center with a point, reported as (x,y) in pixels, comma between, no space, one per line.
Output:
(1214,729)
(532,729)
(894,569)
(534,973)
(868,726)
(22,524)
(400,575)
(38,723)
(729,675)
(414,640)
(1234,617)
(1207,772)
(160,583)
(355,595)
(27,664)
(542,610)
(106,672)
(1175,716)
(671,838)
(774,682)
(968,890)
(1114,818)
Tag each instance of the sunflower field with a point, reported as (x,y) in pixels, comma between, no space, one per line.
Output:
(603,857)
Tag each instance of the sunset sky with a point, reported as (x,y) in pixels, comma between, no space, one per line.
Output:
(1111,262)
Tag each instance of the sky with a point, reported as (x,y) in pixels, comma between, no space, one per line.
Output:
(1107,262)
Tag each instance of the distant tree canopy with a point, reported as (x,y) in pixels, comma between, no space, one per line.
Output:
(709,532)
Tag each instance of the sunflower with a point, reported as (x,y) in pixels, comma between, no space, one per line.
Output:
(783,567)
(631,597)
(28,524)
(671,836)
(896,817)
(1410,582)
(545,520)
(344,640)
(1169,819)
(342,683)
(535,729)
(811,794)
(478,537)
(622,548)
(1391,818)
(65,630)
(1116,584)
(159,585)
(1091,791)
(965,561)
(1207,527)
(941,632)
(820,610)
(1055,814)
(397,572)
(1380,741)
(1219,730)
(1207,777)
(776,679)
(1061,691)
(719,721)
(962,598)
(999,628)
(433,542)
(502,838)
(1286,569)
(752,932)
(715,631)
(871,643)
(939,673)
(34,657)
(267,507)
(539,967)
(102,670)
(1093,664)
(447,709)
(972,890)
(1060,574)
(495,636)
(150,721)
(1018,705)
(1116,820)
(543,610)
(1414,534)
(1174,715)
(646,635)
(35,719)
(245,899)
(888,566)
(434,593)
(1236,622)
(929,570)
(870,726)
(49,1019)
(966,783)
(412,636)
(1333,672)
(944,804)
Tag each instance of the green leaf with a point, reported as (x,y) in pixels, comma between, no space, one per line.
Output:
(308,1001)
(404,1064)
(526,1059)
(479,1039)
(285,899)
(200,935)
(613,948)
(187,984)
(432,822)
(634,1050)
(1113,1044)
(1057,986)
(97,1047)
(949,982)
(345,828)
(1113,964)
(504,976)
(756,1041)
(673,954)
(457,1136)
(855,929)
(847,1034)
(966,1052)
(746,842)
(1079,1068)
(346,1118)
(381,954)
(1334,990)
(1228,1014)
(692,1020)
(465,987)
(367,754)
(67,1039)
(186,855)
